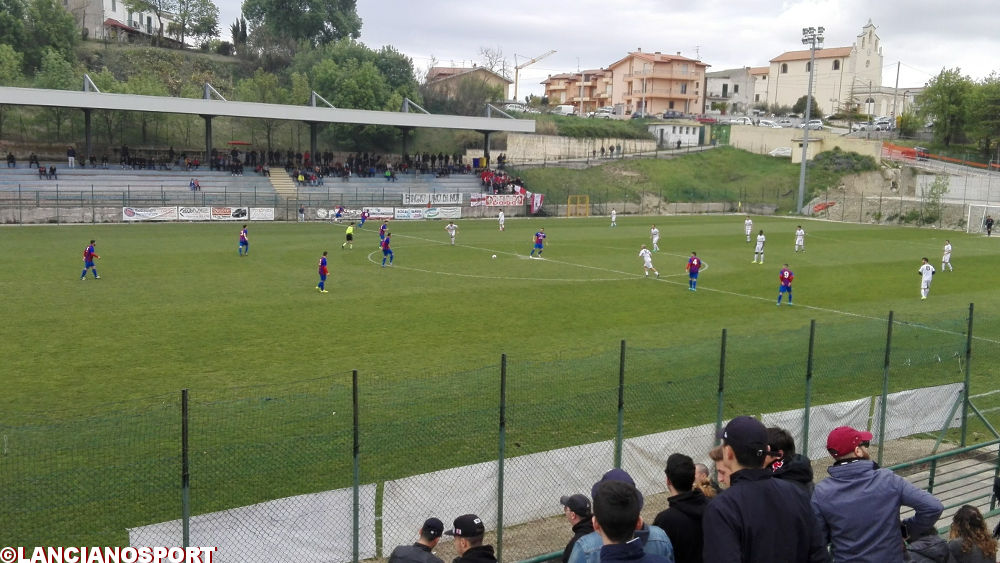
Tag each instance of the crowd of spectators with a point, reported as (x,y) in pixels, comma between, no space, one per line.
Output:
(763,507)
(499,182)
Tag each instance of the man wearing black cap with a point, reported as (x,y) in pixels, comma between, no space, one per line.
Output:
(420,552)
(857,506)
(577,511)
(468,532)
(758,519)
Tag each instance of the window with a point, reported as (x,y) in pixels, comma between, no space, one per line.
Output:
(836,65)
(784,68)
(670,105)
(808,67)
(684,88)
(114,5)
(756,97)
(764,77)
(725,91)
(868,63)
(736,88)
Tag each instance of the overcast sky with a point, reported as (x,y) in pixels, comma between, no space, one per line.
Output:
(923,35)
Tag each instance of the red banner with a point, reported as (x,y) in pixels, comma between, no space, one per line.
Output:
(504,200)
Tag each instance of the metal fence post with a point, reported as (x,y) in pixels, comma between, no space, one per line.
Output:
(804,448)
(501,453)
(722,384)
(885,389)
(619,434)
(965,387)
(356,509)
(185,474)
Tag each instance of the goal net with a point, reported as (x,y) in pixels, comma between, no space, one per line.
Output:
(976,220)
(578,206)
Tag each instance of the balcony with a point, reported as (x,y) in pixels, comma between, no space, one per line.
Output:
(662,93)
(672,74)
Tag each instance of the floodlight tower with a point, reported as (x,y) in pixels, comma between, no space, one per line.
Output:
(811,36)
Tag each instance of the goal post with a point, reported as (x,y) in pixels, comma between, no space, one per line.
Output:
(975,222)
(578,206)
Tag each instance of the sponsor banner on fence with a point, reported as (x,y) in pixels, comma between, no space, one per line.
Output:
(262,214)
(381,212)
(428,213)
(411,212)
(504,200)
(477,200)
(432,198)
(229,213)
(149,213)
(331,214)
(194,213)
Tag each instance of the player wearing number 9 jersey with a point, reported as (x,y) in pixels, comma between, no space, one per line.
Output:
(785,277)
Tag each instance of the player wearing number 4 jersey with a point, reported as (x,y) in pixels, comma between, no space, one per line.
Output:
(785,277)
(693,267)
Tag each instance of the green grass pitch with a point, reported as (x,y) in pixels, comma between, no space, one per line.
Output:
(178,308)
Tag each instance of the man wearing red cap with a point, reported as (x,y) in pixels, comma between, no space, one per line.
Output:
(857,507)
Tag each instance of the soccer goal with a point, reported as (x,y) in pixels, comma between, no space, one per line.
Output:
(578,206)
(976,221)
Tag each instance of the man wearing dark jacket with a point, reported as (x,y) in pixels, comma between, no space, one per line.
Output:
(420,552)
(682,521)
(616,516)
(468,532)
(577,511)
(758,519)
(782,460)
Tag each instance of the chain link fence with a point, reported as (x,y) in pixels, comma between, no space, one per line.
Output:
(347,466)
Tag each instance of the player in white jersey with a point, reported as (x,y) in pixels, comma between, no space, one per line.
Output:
(654,234)
(759,249)
(452,228)
(748,227)
(926,272)
(500,219)
(647,261)
(946,258)
(800,239)
(614,217)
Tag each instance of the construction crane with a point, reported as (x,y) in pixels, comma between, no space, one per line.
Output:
(520,66)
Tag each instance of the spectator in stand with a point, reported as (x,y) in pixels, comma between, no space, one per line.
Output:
(71,156)
(721,473)
(970,538)
(616,516)
(682,521)
(703,481)
(42,173)
(468,532)
(926,546)
(858,505)
(782,460)
(192,185)
(52,173)
(758,518)
(104,162)
(33,160)
(422,550)
(12,161)
(577,510)
(653,539)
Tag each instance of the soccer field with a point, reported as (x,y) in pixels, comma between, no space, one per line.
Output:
(176,307)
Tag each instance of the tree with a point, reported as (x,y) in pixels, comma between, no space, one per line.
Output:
(12,17)
(57,74)
(239,32)
(10,73)
(945,100)
(48,26)
(263,87)
(983,113)
(494,60)
(315,21)
(800,107)
(196,18)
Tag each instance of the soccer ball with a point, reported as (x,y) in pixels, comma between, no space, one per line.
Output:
(494,257)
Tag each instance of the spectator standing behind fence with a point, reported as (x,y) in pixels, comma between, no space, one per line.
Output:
(468,532)
(703,481)
(682,521)
(782,460)
(422,550)
(653,539)
(71,156)
(758,519)
(616,515)
(970,538)
(12,161)
(302,214)
(857,506)
(577,510)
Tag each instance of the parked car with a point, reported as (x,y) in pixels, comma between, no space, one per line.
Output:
(741,121)
(706,119)
(640,115)
(768,123)
(515,107)
(785,122)
(884,125)
(813,125)
(602,112)
(672,114)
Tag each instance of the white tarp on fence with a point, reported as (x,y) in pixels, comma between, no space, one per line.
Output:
(305,528)
(645,457)
(149,213)
(822,419)
(918,410)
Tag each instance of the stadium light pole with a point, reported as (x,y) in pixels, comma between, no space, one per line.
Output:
(810,36)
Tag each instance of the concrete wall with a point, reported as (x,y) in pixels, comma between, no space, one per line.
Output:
(523,147)
(762,140)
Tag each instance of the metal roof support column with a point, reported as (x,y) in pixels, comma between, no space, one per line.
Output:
(406,138)
(313,144)
(208,139)
(87,135)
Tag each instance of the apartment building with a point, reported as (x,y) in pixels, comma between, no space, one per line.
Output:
(587,90)
(730,90)
(655,82)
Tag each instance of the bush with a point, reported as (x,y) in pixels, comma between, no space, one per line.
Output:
(845,162)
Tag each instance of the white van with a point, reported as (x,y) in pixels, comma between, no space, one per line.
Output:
(564,109)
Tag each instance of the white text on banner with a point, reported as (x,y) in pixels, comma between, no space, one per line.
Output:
(149,213)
